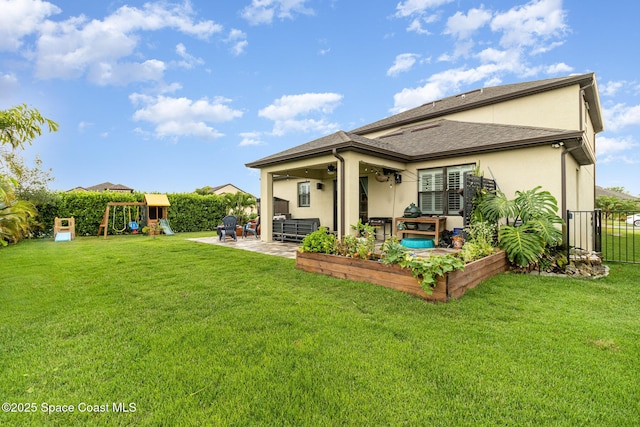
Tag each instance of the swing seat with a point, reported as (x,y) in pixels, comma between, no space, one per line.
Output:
(133,225)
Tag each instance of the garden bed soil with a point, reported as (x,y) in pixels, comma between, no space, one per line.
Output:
(452,286)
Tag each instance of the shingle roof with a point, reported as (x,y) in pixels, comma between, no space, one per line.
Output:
(486,96)
(426,135)
(601,191)
(325,145)
(440,138)
(109,186)
(445,138)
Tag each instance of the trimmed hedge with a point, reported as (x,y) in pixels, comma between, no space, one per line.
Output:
(188,212)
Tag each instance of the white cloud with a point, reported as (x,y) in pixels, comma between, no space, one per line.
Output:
(250,139)
(620,116)
(20,18)
(531,24)
(127,72)
(176,117)
(264,11)
(463,26)
(417,7)
(286,112)
(607,146)
(404,62)
(441,84)
(525,30)
(105,50)
(420,13)
(8,82)
(188,60)
(559,68)
(611,88)
(238,41)
(84,125)
(616,150)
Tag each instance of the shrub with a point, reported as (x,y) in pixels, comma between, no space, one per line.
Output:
(320,241)
(531,224)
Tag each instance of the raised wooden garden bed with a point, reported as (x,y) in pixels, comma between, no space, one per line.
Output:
(452,286)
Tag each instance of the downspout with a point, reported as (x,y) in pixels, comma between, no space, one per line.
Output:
(341,185)
(563,172)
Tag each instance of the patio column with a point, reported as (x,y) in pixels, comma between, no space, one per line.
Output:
(266,206)
(351,190)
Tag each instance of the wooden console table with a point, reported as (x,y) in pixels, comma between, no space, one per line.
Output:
(439,222)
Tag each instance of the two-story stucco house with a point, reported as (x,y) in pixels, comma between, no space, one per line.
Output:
(539,133)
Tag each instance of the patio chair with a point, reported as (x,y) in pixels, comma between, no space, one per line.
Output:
(252,227)
(228,228)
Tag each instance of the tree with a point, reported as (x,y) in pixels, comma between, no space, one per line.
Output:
(19,125)
(238,203)
(31,183)
(206,190)
(15,215)
(617,189)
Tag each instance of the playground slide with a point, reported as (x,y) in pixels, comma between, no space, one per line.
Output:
(164,225)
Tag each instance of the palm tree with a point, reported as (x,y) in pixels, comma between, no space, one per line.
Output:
(238,203)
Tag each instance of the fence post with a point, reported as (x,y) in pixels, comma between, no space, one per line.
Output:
(568,233)
(597,230)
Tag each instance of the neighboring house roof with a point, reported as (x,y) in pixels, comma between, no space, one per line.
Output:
(108,186)
(425,135)
(220,187)
(439,139)
(487,96)
(601,191)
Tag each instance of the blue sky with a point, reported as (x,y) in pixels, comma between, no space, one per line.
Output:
(172,96)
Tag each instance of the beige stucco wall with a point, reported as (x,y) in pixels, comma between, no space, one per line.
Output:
(521,169)
(321,201)
(557,109)
(514,170)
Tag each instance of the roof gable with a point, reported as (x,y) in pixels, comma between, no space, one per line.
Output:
(487,96)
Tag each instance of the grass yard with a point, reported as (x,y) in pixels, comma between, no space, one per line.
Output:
(195,334)
(621,241)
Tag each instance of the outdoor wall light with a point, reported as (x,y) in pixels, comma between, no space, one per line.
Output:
(557,144)
(331,169)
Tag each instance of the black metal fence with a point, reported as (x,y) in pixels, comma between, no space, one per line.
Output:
(615,234)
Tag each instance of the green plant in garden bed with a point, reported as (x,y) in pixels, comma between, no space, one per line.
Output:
(425,270)
(320,241)
(531,227)
(480,241)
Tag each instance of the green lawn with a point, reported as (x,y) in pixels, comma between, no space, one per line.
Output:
(195,334)
(621,242)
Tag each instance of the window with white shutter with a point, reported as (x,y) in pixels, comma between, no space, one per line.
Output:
(437,196)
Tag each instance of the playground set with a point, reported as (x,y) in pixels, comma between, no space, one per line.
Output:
(151,213)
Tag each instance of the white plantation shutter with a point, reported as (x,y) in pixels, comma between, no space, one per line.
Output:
(434,192)
(455,181)
(431,185)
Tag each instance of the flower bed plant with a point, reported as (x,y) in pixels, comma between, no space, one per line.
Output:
(437,277)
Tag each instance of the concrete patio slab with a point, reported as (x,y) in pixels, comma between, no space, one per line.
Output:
(283,249)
